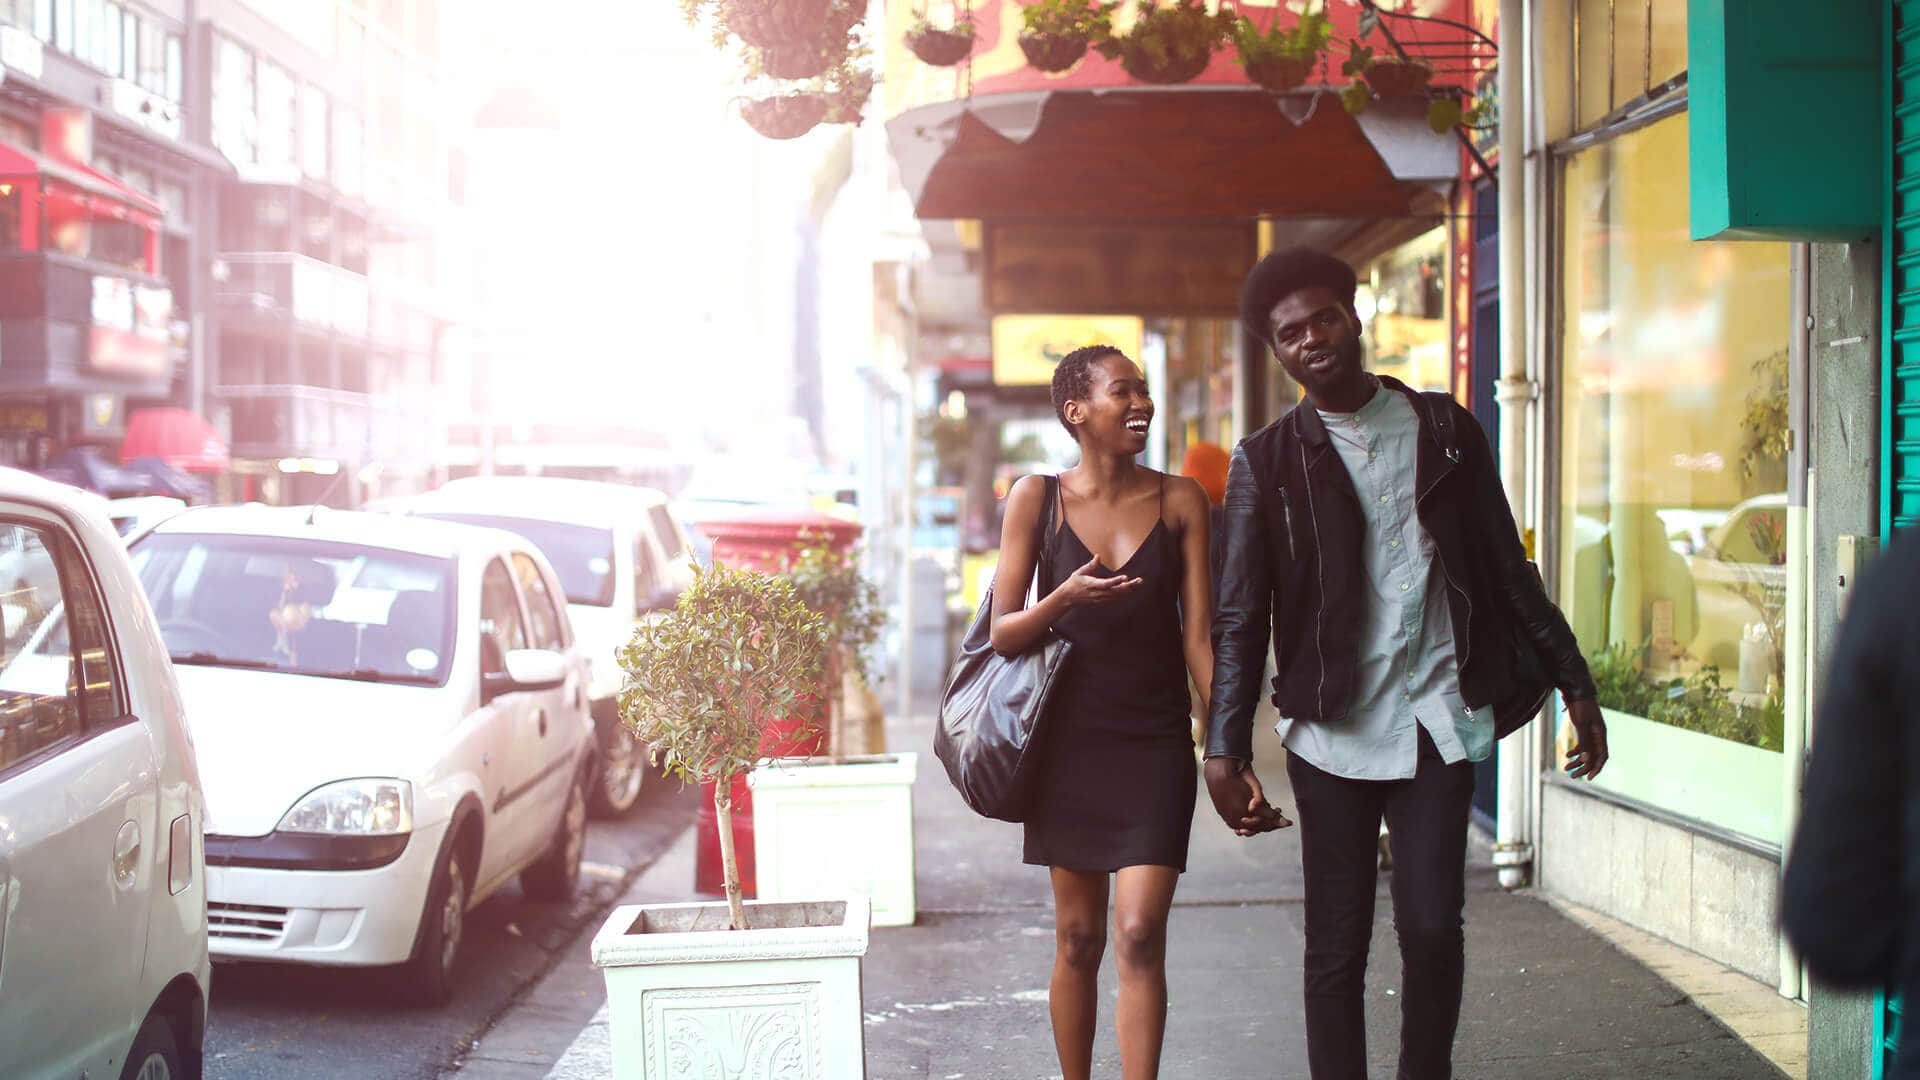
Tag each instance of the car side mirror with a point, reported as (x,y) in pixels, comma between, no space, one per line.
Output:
(526,669)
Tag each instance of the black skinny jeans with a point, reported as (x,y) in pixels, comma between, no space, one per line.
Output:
(1339,833)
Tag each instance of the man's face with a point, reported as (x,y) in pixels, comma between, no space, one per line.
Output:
(1318,341)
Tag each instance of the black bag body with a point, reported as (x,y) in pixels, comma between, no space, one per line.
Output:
(991,710)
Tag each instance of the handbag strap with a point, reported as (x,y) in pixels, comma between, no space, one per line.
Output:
(1043,542)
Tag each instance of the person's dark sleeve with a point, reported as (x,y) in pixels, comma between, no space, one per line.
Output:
(1241,622)
(1841,903)
(1514,577)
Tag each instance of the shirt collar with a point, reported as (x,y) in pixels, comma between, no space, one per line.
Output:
(1366,412)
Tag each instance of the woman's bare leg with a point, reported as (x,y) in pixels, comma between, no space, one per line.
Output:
(1079,940)
(1142,899)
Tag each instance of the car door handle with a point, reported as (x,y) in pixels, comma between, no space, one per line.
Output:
(541,716)
(126,855)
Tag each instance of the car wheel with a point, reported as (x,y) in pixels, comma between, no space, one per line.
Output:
(428,976)
(154,1056)
(623,769)
(557,873)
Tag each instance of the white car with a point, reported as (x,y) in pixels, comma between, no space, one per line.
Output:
(103,905)
(621,555)
(392,724)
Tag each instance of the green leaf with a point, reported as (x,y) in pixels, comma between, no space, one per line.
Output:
(1443,114)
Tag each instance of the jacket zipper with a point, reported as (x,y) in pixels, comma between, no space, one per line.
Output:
(1286,512)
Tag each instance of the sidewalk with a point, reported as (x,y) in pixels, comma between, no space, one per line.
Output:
(962,994)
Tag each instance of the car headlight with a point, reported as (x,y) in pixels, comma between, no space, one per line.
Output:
(354,808)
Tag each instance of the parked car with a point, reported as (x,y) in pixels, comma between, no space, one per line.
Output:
(392,723)
(103,908)
(621,555)
(1740,577)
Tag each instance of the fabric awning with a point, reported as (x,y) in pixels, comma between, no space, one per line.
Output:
(1182,153)
(178,437)
(20,163)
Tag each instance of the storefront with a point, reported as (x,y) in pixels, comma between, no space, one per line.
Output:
(1672,547)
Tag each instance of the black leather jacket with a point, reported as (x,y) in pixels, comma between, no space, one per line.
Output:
(1294,560)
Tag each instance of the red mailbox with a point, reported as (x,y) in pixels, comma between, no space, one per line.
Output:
(764,540)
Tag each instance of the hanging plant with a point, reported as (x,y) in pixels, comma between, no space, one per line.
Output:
(785,116)
(796,61)
(1449,110)
(1058,32)
(830,47)
(1171,44)
(1278,58)
(941,48)
(1383,77)
(772,23)
(847,91)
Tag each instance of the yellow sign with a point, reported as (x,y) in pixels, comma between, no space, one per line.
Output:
(1026,347)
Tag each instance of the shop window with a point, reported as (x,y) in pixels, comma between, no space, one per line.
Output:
(175,87)
(10,214)
(1673,467)
(1402,303)
(1625,48)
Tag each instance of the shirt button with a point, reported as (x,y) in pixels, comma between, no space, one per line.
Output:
(1383,498)
(1403,586)
(1393,543)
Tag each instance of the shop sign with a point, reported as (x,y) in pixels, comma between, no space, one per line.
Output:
(23,416)
(132,325)
(22,52)
(147,109)
(100,415)
(1193,269)
(1026,347)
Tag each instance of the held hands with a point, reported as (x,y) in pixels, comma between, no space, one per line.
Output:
(1238,799)
(1589,753)
(1087,587)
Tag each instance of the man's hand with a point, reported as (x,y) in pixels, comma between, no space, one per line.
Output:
(1589,754)
(1238,799)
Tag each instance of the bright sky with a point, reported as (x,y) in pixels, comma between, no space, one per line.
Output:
(645,250)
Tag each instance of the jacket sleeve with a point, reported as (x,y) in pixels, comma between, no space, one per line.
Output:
(1241,621)
(1515,579)
(1841,899)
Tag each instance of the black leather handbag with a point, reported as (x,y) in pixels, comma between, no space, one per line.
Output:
(991,710)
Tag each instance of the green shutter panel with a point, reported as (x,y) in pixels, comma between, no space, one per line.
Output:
(1900,387)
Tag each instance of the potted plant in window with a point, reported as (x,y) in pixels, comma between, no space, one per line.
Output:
(1169,44)
(941,47)
(1057,32)
(1280,57)
(843,823)
(693,987)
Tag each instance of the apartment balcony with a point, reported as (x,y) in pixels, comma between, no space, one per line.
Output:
(283,287)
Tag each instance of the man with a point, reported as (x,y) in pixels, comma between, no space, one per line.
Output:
(1851,899)
(1368,525)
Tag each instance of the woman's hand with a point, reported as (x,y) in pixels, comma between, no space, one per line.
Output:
(1087,587)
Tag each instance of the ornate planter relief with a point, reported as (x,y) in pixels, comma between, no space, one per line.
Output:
(691,1000)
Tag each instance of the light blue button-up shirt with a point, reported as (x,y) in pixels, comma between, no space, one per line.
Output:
(1408,676)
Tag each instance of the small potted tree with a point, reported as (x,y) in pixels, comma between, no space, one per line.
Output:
(1057,32)
(1169,44)
(693,986)
(1281,57)
(842,823)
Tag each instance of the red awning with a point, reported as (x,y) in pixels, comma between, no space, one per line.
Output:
(20,163)
(178,437)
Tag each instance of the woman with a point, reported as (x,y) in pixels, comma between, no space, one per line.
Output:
(1129,587)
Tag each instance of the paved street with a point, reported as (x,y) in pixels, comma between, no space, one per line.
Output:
(294,1023)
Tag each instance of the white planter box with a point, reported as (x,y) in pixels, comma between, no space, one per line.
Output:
(825,829)
(688,997)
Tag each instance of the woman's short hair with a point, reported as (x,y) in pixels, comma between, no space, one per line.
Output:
(1073,379)
(1284,273)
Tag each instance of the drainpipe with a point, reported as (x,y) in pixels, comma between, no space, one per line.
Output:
(1515,393)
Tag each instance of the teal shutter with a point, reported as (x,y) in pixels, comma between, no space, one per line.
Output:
(1900,366)
(1886,1034)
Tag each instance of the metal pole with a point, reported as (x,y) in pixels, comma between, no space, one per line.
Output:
(1514,827)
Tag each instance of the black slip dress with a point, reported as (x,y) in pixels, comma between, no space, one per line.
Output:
(1118,778)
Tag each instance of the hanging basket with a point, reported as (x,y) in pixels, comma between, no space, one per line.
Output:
(797,61)
(1175,68)
(786,117)
(1398,78)
(768,24)
(1280,73)
(1052,53)
(941,48)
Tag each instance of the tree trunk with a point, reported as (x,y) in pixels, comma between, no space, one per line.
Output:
(729,862)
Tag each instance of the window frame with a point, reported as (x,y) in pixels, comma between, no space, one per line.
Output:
(560,625)
(57,528)
(519,612)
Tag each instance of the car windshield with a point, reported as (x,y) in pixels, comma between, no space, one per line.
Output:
(300,606)
(581,554)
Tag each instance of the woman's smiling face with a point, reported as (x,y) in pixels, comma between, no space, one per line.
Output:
(1118,410)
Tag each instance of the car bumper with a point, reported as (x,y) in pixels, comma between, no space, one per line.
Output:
(330,917)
